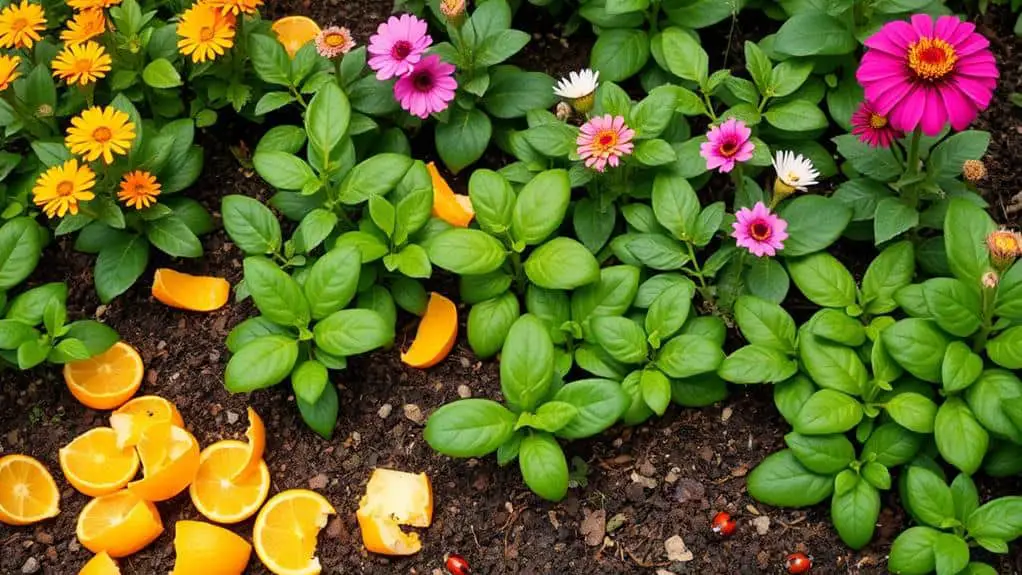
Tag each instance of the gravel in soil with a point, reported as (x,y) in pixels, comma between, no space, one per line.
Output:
(646,502)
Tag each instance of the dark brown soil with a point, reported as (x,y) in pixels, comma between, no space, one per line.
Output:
(653,482)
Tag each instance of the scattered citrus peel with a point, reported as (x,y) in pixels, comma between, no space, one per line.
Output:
(294,32)
(107,380)
(170,460)
(28,493)
(134,417)
(188,292)
(256,435)
(436,335)
(285,531)
(394,498)
(100,564)
(205,549)
(119,524)
(222,499)
(95,465)
(455,209)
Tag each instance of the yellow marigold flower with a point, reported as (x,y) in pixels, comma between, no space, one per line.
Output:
(8,70)
(86,25)
(100,132)
(92,4)
(139,189)
(81,63)
(236,6)
(59,189)
(205,32)
(20,25)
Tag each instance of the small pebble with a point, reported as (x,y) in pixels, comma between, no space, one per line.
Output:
(762,524)
(30,566)
(232,417)
(319,482)
(385,410)
(44,538)
(464,391)
(413,413)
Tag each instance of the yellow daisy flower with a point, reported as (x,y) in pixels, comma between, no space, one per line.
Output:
(86,25)
(205,32)
(20,25)
(81,63)
(59,189)
(139,189)
(92,4)
(100,132)
(8,70)
(236,6)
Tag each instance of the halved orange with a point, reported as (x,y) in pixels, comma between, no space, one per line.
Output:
(383,536)
(132,418)
(94,465)
(436,335)
(294,32)
(204,549)
(256,434)
(217,495)
(193,293)
(455,209)
(170,460)
(285,531)
(119,524)
(28,492)
(107,380)
(100,564)
(394,498)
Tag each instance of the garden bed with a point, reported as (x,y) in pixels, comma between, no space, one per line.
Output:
(645,484)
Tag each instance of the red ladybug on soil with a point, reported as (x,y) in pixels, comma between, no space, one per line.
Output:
(798,563)
(723,525)
(456,565)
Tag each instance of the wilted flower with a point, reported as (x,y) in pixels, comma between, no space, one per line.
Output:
(563,111)
(398,44)
(727,145)
(59,189)
(428,88)
(990,280)
(603,140)
(20,25)
(793,173)
(579,88)
(928,73)
(974,170)
(8,70)
(873,128)
(334,41)
(1004,246)
(759,231)
(81,63)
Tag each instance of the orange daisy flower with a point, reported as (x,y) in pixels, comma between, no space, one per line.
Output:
(8,70)
(139,189)
(86,25)
(20,25)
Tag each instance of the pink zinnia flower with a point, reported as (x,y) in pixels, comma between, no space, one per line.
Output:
(603,140)
(397,46)
(927,73)
(728,144)
(873,128)
(428,88)
(333,41)
(760,231)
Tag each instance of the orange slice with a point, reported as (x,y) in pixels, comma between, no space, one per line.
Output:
(28,492)
(193,293)
(93,463)
(204,549)
(256,435)
(100,564)
(436,334)
(394,498)
(107,380)
(170,460)
(285,531)
(132,418)
(217,495)
(455,209)
(294,32)
(119,524)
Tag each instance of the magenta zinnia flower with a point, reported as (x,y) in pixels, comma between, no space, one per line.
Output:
(728,144)
(428,88)
(872,128)
(928,73)
(760,231)
(397,46)
(603,140)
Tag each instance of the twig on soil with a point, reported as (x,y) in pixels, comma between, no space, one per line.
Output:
(793,523)
(642,563)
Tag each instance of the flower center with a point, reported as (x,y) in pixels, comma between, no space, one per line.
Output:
(141,190)
(102,134)
(931,58)
(792,178)
(606,139)
(206,33)
(728,148)
(759,231)
(334,40)
(1006,243)
(65,188)
(401,49)
(19,24)
(423,82)
(83,66)
(877,122)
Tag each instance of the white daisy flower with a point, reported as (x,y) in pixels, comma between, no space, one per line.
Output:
(793,173)
(579,88)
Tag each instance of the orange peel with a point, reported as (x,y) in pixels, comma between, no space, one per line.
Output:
(170,461)
(119,524)
(134,417)
(205,549)
(95,465)
(107,380)
(436,334)
(294,32)
(100,564)
(188,292)
(394,498)
(455,209)
(28,493)
(256,435)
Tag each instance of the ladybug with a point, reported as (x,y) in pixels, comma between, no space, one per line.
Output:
(456,565)
(723,525)
(798,563)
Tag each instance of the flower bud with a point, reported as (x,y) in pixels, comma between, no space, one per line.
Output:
(1004,246)
(44,111)
(454,11)
(974,170)
(990,280)
(563,111)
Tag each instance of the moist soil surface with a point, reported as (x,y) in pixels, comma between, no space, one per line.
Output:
(645,485)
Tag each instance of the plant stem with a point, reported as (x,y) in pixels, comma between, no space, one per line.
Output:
(912,169)
(695,264)
(987,298)
(519,271)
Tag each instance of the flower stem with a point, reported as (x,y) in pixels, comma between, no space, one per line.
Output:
(695,264)
(987,296)
(912,167)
